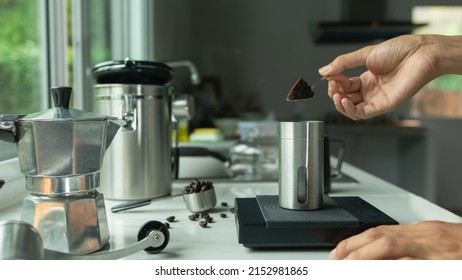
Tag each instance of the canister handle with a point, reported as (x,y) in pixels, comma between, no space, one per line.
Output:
(129,112)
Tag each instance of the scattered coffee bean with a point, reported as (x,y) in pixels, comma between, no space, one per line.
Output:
(171,219)
(223,215)
(204,215)
(224,204)
(195,182)
(232,210)
(193,216)
(209,219)
(203,224)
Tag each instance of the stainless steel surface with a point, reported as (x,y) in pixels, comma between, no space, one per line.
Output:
(61,141)
(301,165)
(62,185)
(71,224)
(60,152)
(139,203)
(200,201)
(132,204)
(183,107)
(63,148)
(21,241)
(139,163)
(155,238)
(195,202)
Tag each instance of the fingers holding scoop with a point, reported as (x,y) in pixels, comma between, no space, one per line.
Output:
(345,92)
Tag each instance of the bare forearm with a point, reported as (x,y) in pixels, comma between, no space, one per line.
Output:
(447,51)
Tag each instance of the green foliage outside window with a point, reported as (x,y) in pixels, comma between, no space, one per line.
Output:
(20,80)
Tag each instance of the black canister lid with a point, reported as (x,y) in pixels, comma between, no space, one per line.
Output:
(130,71)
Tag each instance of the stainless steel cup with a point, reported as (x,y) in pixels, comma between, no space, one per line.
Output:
(301,165)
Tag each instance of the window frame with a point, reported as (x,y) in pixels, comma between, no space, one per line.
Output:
(132,35)
(52,21)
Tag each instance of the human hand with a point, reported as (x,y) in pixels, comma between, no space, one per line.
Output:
(426,240)
(395,70)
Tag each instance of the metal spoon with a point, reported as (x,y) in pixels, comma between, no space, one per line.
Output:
(301,90)
(195,202)
(139,203)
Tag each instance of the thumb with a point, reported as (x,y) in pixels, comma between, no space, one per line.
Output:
(346,61)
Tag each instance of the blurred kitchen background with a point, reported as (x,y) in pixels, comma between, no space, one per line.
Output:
(248,54)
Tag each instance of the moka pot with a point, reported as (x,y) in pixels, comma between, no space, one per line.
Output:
(60,152)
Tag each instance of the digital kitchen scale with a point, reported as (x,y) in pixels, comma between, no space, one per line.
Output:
(262,223)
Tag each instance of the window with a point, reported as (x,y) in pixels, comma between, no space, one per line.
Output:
(89,44)
(20,52)
(47,43)
(443,96)
(100,31)
(37,51)
(20,62)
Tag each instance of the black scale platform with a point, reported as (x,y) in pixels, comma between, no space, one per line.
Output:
(261,223)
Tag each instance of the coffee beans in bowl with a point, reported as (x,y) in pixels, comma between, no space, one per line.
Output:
(199,196)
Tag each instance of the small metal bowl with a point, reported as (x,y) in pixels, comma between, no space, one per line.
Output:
(200,201)
(20,241)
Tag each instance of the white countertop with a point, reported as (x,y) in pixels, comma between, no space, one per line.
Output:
(219,241)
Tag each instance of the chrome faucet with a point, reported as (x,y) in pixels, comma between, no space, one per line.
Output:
(195,77)
(183,107)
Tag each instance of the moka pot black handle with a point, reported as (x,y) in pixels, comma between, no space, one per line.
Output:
(8,125)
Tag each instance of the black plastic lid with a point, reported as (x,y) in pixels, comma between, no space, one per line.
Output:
(130,71)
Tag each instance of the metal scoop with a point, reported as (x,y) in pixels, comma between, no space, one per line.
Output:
(200,201)
(195,202)
(302,91)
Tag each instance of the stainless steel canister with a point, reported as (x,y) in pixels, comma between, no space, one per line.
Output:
(139,163)
(301,165)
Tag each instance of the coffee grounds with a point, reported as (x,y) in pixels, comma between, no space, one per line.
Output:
(300,90)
